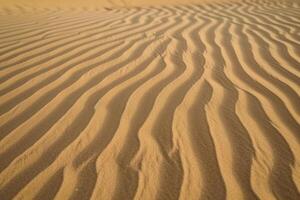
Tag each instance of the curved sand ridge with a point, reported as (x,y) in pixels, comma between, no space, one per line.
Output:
(161,102)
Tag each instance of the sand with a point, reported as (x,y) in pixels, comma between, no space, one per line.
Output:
(161,101)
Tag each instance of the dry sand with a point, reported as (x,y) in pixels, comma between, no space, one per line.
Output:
(194,101)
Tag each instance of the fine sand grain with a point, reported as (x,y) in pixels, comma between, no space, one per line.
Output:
(134,101)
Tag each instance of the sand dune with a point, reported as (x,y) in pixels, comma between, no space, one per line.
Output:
(195,101)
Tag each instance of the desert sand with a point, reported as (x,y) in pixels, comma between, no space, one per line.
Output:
(150,100)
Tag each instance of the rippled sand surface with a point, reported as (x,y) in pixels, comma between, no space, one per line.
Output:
(186,101)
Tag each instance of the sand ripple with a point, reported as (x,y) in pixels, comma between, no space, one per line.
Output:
(159,102)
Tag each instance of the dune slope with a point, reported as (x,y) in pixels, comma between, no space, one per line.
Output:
(197,101)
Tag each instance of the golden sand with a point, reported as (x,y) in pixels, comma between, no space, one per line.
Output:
(116,100)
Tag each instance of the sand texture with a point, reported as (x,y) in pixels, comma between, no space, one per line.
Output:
(195,101)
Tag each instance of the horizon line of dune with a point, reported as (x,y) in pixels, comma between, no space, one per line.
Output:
(197,101)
